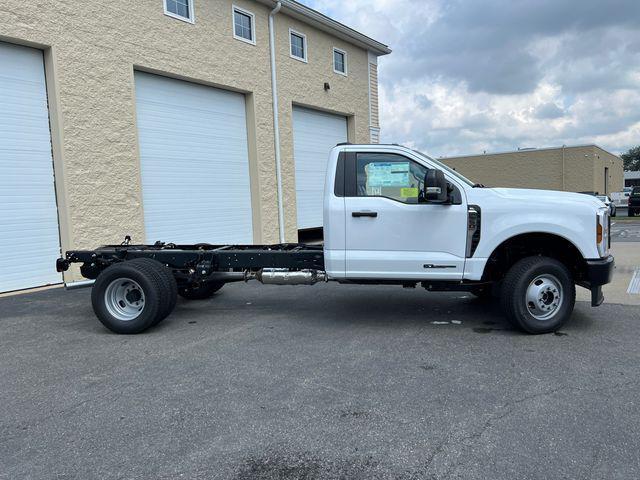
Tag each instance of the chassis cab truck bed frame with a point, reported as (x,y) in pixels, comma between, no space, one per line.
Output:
(197,265)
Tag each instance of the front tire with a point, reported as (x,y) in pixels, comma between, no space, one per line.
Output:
(538,295)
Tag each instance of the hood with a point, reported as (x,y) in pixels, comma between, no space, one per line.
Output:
(547,196)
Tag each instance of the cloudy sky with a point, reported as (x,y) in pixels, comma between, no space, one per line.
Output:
(467,76)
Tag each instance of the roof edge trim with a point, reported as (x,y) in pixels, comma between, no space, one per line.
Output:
(329,25)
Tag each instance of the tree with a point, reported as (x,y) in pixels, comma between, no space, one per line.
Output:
(632,159)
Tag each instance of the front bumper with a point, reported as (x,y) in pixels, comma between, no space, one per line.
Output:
(599,272)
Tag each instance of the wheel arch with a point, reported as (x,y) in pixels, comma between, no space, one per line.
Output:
(534,243)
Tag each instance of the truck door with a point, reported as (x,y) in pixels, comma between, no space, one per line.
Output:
(391,233)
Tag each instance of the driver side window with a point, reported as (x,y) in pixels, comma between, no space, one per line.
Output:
(391,176)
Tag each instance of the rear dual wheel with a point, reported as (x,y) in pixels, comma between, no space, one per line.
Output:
(168,284)
(132,296)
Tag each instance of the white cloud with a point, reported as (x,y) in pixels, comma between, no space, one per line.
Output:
(468,76)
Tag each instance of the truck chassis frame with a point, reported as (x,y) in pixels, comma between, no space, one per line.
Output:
(200,263)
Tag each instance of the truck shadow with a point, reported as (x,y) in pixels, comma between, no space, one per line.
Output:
(372,306)
(436,310)
(386,306)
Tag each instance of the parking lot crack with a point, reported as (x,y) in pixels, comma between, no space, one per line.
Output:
(501,413)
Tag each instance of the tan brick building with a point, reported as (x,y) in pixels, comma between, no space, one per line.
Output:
(158,119)
(584,168)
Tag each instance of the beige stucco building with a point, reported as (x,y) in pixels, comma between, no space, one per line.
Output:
(584,168)
(142,98)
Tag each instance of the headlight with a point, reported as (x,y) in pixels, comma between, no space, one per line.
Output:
(602,232)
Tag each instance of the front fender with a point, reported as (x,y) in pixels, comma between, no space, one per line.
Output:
(579,229)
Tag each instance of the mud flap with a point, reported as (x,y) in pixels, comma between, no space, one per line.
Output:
(597,296)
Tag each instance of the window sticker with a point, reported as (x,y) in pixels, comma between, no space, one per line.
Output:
(391,174)
(374,191)
(409,192)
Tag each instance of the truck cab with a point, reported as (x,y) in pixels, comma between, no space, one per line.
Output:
(394,214)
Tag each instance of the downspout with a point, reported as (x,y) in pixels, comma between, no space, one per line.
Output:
(276,121)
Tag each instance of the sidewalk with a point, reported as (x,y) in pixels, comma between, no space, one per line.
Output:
(627,256)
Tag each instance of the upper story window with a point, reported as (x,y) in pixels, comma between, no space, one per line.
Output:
(244,25)
(298,45)
(180,9)
(340,61)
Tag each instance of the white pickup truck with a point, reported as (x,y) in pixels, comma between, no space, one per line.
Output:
(393,216)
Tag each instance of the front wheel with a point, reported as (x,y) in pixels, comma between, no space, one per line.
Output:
(538,294)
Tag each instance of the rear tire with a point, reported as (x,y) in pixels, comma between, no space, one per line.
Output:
(200,292)
(538,295)
(169,284)
(129,297)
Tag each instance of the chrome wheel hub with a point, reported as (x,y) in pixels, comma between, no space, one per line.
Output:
(124,299)
(544,297)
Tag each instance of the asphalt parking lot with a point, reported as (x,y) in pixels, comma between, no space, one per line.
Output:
(625,230)
(318,382)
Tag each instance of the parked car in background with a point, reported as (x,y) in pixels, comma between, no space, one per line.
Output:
(609,203)
(621,199)
(634,201)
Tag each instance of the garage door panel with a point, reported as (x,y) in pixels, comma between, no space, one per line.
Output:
(194,162)
(21,134)
(177,110)
(16,87)
(315,133)
(172,154)
(28,212)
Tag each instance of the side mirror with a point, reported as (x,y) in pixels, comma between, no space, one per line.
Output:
(436,188)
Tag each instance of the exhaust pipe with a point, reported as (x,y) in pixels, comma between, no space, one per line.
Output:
(78,284)
(282,276)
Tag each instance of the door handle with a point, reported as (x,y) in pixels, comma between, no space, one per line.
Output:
(364,214)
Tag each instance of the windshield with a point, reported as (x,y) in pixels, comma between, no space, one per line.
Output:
(445,168)
(603,198)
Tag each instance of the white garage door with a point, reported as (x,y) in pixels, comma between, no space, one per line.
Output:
(29,237)
(194,162)
(315,133)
